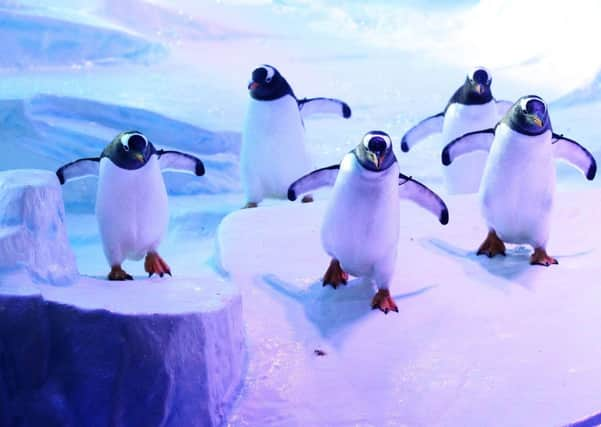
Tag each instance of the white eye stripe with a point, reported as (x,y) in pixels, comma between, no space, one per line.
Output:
(524,102)
(480,68)
(270,73)
(370,136)
(125,139)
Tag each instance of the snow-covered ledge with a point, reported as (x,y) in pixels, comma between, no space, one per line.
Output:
(154,352)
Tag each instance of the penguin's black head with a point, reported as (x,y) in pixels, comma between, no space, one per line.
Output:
(477,86)
(267,84)
(529,115)
(129,150)
(374,152)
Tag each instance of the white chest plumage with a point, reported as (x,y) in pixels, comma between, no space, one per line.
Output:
(273,152)
(131,208)
(464,175)
(361,224)
(518,186)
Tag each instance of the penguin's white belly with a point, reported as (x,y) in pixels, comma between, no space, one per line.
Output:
(465,173)
(361,224)
(273,153)
(132,210)
(518,187)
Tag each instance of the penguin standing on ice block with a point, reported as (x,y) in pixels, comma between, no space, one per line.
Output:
(518,185)
(131,202)
(361,226)
(472,107)
(273,152)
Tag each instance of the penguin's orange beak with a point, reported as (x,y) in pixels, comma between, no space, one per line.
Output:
(479,88)
(253,85)
(537,121)
(139,157)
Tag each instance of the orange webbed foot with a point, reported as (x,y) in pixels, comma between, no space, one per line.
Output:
(540,257)
(154,264)
(335,275)
(492,245)
(383,301)
(117,273)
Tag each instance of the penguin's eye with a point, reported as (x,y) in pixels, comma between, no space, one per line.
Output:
(270,72)
(268,80)
(134,141)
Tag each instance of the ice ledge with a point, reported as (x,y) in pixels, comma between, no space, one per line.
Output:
(32,229)
(145,353)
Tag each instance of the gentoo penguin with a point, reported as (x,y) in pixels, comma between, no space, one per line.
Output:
(273,150)
(131,201)
(518,184)
(472,107)
(360,230)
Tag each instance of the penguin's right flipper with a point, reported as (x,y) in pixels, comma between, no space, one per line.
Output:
(423,129)
(423,196)
(575,154)
(319,178)
(472,141)
(308,106)
(178,161)
(78,169)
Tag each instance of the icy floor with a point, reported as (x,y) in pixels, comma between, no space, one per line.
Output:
(476,342)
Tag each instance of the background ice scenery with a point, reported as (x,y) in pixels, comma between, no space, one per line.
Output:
(244,333)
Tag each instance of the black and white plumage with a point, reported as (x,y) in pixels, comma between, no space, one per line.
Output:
(273,151)
(131,201)
(472,107)
(361,225)
(518,185)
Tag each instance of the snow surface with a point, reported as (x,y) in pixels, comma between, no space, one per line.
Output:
(474,337)
(73,75)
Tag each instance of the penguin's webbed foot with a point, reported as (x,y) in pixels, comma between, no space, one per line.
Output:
(383,301)
(250,205)
(492,245)
(540,257)
(117,273)
(154,264)
(307,199)
(335,275)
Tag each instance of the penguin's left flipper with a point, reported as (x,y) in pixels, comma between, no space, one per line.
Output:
(502,107)
(575,154)
(424,197)
(319,178)
(472,141)
(428,126)
(78,169)
(178,161)
(308,106)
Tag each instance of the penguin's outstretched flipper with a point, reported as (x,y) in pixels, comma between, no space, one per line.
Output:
(428,126)
(319,178)
(480,140)
(502,107)
(78,169)
(423,196)
(178,161)
(575,154)
(309,106)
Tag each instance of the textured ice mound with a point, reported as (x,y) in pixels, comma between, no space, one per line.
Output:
(32,228)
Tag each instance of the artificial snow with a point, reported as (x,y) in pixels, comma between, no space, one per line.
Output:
(32,227)
(155,352)
(474,337)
